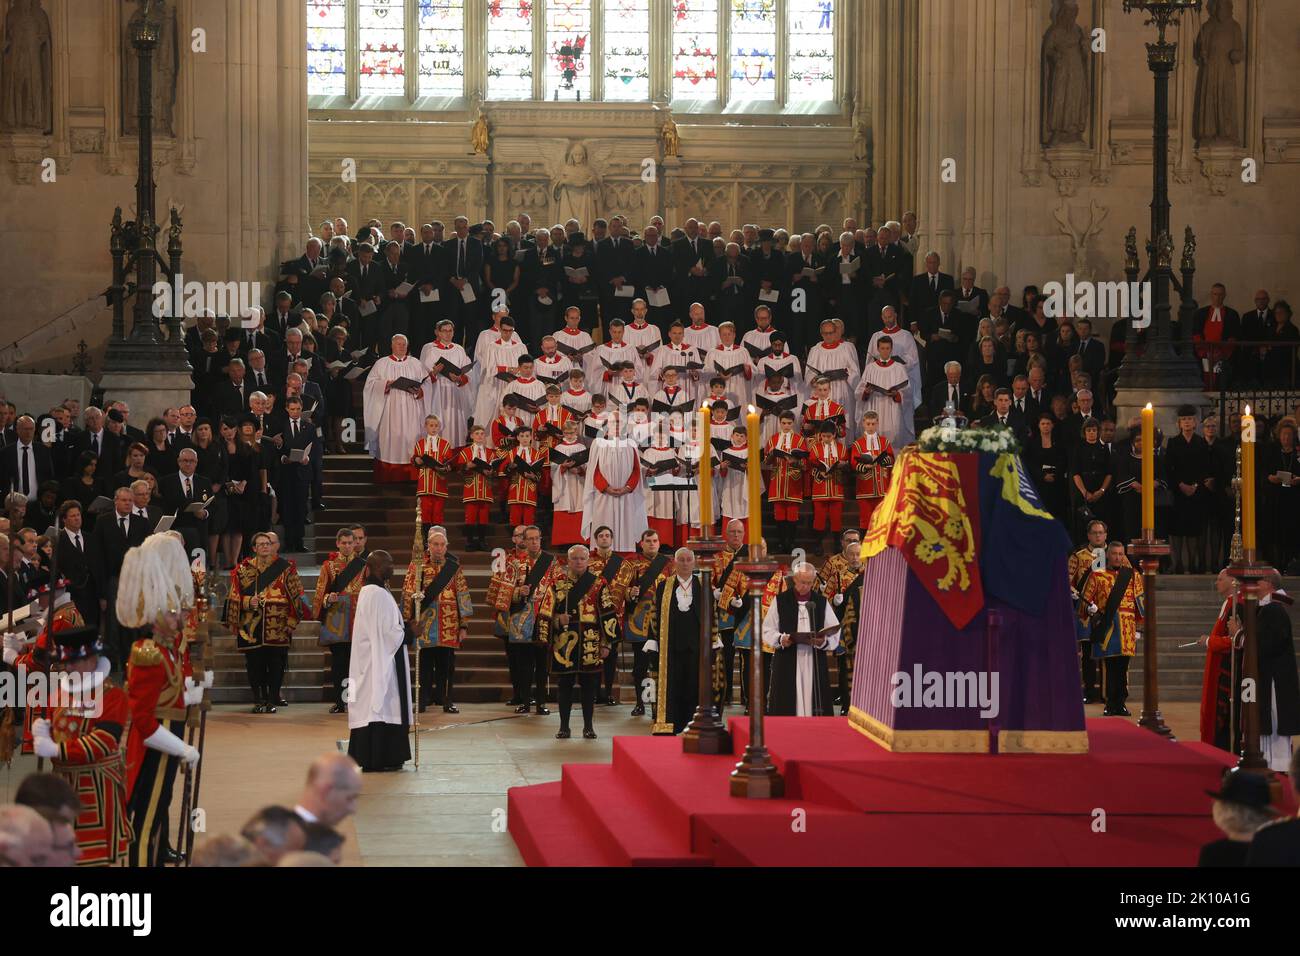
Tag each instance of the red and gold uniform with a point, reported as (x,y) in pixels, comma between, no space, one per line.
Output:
(817,411)
(872,458)
(825,461)
(155,688)
(431,481)
(551,417)
(516,621)
(477,491)
(264,632)
(90,758)
(592,628)
(344,577)
(785,487)
(636,613)
(440,620)
(1114,634)
(523,485)
(36,659)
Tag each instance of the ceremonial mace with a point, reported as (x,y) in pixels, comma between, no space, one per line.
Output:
(8,742)
(417,562)
(195,722)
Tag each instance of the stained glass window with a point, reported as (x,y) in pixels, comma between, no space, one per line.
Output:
(568,49)
(753,49)
(627,49)
(327,34)
(695,49)
(381,35)
(510,50)
(441,29)
(810,45)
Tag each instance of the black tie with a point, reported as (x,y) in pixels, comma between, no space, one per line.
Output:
(122,521)
(953,394)
(189,490)
(460,257)
(26,485)
(293,428)
(94,443)
(934,283)
(77,539)
(1020,404)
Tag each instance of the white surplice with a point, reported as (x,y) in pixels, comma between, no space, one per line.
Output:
(395,422)
(839,356)
(494,356)
(377,634)
(905,351)
(615,460)
(897,422)
(450,402)
(806,663)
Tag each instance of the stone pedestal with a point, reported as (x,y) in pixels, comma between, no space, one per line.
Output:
(147,393)
(1129,403)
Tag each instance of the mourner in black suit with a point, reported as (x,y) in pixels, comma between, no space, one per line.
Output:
(115,533)
(25,464)
(427,268)
(295,479)
(923,293)
(73,554)
(231,398)
(692,250)
(616,264)
(181,489)
(465,268)
(654,270)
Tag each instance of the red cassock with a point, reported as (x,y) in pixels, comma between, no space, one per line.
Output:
(90,758)
(1217,678)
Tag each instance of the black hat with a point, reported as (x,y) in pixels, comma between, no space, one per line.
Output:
(476,229)
(1244,787)
(248,418)
(1186,411)
(766,235)
(76,644)
(577,239)
(115,416)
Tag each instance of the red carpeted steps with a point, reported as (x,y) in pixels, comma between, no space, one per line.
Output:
(1134,800)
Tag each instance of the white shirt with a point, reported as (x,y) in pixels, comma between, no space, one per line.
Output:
(684,593)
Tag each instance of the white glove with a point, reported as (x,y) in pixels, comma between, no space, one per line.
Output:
(193,692)
(717,594)
(651,647)
(839,599)
(42,742)
(717,645)
(1092,608)
(737,602)
(209,678)
(167,742)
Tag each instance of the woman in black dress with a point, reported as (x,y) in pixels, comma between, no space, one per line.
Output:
(581,290)
(161,459)
(980,400)
(985,361)
(212,466)
(1188,466)
(135,469)
(338,389)
(501,271)
(1048,465)
(1282,362)
(1090,478)
(83,486)
(243,490)
(1280,471)
(546,281)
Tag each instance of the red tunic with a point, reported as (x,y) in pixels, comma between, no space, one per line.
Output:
(786,484)
(872,477)
(90,758)
(522,489)
(815,411)
(429,481)
(155,686)
(826,454)
(478,486)
(1217,665)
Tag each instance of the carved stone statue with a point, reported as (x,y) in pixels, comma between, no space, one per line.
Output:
(26,70)
(164,74)
(478,134)
(672,143)
(576,188)
(1065,77)
(1218,50)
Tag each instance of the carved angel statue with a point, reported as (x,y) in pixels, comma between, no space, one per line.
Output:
(672,142)
(576,182)
(478,134)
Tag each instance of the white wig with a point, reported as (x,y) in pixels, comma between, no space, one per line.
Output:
(155,579)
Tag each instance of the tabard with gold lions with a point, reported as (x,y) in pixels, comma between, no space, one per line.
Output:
(445,604)
(268,621)
(577,620)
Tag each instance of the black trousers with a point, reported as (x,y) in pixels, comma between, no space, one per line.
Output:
(640,669)
(844,664)
(609,674)
(149,802)
(588,681)
(1088,669)
(528,671)
(744,674)
(437,675)
(728,661)
(265,667)
(1115,674)
(340,657)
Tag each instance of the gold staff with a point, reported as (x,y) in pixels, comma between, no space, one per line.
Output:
(417,560)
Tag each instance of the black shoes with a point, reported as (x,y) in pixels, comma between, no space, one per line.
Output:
(172,857)
(338,709)
(563,734)
(543,710)
(450,709)
(638,710)
(611,702)
(588,733)
(523,708)
(282,703)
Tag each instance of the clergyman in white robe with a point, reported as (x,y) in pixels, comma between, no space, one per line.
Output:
(805,664)
(379,683)
(614,463)
(395,421)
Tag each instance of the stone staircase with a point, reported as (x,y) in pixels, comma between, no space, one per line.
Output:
(1187,608)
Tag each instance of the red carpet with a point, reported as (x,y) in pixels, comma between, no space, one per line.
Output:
(864,806)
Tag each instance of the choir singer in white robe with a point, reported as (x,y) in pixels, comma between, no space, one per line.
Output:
(886,389)
(452,396)
(614,494)
(395,417)
(379,675)
(904,350)
(800,683)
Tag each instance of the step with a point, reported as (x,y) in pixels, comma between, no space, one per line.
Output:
(549,831)
(625,820)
